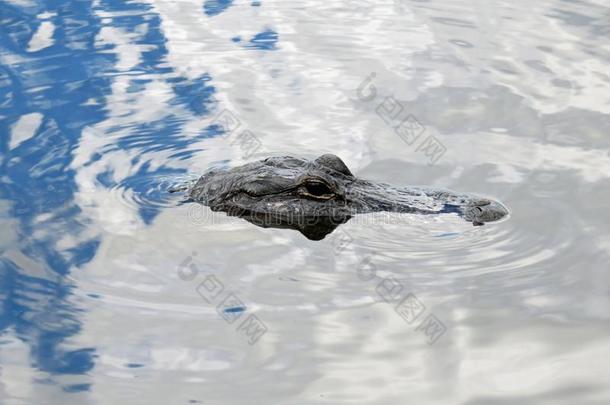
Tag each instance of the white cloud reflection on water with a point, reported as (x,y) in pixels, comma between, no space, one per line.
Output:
(514,330)
(523,301)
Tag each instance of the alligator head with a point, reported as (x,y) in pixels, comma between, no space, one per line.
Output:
(316,196)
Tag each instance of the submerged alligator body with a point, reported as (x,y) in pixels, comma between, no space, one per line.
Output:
(316,196)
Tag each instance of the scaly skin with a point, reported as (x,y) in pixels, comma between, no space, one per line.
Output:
(291,192)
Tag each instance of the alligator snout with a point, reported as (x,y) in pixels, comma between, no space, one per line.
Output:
(484,210)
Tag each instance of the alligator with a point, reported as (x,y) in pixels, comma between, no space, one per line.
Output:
(316,196)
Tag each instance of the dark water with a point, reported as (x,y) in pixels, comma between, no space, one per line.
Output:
(113,291)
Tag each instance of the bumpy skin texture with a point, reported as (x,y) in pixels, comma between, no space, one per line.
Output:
(316,196)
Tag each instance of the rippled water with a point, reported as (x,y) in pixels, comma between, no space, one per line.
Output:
(110,285)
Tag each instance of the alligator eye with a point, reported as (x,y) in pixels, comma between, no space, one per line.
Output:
(318,189)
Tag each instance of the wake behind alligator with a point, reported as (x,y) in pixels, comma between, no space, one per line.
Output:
(316,196)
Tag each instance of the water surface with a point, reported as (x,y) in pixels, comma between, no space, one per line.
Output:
(104,105)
